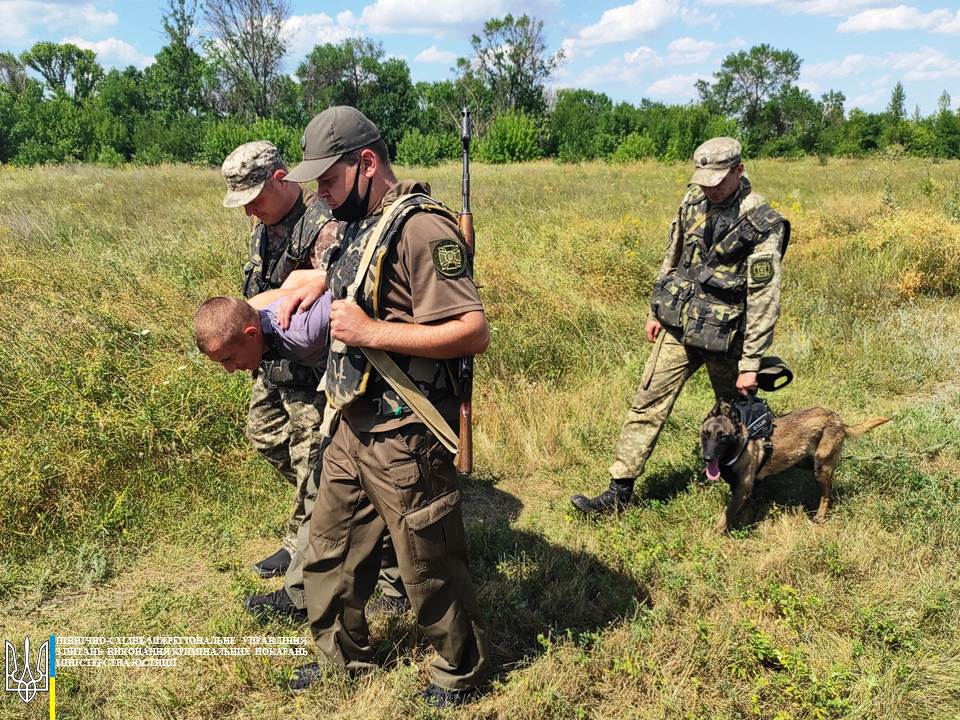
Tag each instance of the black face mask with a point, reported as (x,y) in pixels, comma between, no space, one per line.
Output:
(354,207)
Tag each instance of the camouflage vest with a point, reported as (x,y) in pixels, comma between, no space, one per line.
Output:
(348,371)
(704,296)
(265,271)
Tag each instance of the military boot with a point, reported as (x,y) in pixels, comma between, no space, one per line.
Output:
(273,566)
(276,603)
(613,499)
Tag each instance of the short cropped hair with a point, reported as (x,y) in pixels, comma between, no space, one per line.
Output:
(379,149)
(220,321)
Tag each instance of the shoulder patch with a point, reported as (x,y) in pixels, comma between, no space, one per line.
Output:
(761,270)
(764,217)
(449,257)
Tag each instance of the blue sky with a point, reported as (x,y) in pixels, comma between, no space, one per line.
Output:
(629,50)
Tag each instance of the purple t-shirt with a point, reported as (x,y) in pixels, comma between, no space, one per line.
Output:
(307,339)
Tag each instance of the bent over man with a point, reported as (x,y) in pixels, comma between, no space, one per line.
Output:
(401,284)
(715,302)
(293,230)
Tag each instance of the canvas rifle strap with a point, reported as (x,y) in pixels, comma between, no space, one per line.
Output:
(384,364)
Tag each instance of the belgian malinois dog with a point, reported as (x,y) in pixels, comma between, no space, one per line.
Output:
(812,434)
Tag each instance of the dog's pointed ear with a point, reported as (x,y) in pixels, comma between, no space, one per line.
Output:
(717,409)
(724,407)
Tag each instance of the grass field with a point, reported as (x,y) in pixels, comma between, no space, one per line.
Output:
(131,504)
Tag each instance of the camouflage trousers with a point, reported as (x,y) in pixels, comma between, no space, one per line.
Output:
(284,424)
(651,406)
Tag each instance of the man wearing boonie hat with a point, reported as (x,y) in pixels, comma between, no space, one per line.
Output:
(403,290)
(292,228)
(715,302)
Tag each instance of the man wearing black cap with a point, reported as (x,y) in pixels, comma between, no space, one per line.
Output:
(402,292)
(715,302)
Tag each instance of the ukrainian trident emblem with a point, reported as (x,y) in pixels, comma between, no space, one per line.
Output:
(29,677)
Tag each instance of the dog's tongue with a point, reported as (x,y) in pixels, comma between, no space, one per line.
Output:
(713,471)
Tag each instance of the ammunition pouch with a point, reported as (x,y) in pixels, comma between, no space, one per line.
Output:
(670,296)
(712,326)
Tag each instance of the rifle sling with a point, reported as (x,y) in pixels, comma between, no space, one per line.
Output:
(384,364)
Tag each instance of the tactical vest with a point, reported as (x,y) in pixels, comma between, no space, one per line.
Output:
(263,272)
(704,296)
(348,371)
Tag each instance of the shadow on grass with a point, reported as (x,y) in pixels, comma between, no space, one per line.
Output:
(530,589)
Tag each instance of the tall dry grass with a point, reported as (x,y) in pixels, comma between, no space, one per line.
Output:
(131,503)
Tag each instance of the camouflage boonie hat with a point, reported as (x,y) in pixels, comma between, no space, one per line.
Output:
(246,169)
(337,130)
(713,161)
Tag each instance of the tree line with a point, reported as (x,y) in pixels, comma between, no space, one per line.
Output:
(204,95)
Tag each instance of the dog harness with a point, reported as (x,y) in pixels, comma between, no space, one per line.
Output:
(755,416)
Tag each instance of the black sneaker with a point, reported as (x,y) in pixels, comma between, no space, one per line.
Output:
(388,605)
(273,566)
(276,603)
(439,697)
(613,499)
(304,676)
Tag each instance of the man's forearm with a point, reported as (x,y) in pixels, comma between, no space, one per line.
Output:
(466,335)
(260,301)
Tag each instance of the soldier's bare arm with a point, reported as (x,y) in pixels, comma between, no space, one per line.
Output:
(465,334)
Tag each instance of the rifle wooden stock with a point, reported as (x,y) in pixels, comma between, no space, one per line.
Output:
(465,453)
(466,229)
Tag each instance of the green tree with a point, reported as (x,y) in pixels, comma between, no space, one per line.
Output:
(174,83)
(746,81)
(114,111)
(13,76)
(897,130)
(356,72)
(946,129)
(575,124)
(247,45)
(510,57)
(67,70)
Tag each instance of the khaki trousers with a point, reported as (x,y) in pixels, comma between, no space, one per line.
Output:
(403,481)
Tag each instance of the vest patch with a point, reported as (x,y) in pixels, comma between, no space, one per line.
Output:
(448,257)
(761,270)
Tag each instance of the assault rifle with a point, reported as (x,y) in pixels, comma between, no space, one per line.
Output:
(465,220)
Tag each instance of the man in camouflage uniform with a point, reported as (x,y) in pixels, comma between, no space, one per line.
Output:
(715,303)
(292,231)
(415,301)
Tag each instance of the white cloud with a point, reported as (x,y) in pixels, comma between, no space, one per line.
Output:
(624,23)
(902,17)
(626,68)
(806,7)
(434,55)
(26,20)
(679,87)
(695,16)
(849,65)
(113,52)
(687,51)
(304,32)
(923,64)
(430,17)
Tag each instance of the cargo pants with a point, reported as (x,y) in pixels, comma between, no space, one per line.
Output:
(402,480)
(284,425)
(651,406)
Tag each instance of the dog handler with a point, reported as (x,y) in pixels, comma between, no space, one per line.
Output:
(715,302)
